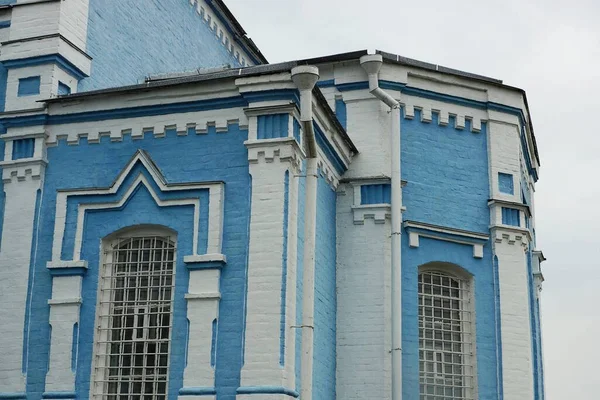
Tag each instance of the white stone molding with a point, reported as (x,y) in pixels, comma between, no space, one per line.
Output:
(277,107)
(198,122)
(496,206)
(269,150)
(21,170)
(215,207)
(444,110)
(379,213)
(269,161)
(417,230)
(221,32)
(64,314)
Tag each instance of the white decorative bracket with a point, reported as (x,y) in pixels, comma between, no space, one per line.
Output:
(417,230)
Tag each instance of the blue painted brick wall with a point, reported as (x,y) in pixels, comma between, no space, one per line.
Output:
(3,83)
(510,216)
(431,250)
(23,148)
(376,194)
(325,294)
(447,174)
(341,112)
(224,157)
(505,183)
(138,38)
(29,86)
(273,126)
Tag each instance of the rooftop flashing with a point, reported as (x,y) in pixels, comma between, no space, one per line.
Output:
(434,67)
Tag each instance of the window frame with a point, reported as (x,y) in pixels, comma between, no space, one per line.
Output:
(103,314)
(455,272)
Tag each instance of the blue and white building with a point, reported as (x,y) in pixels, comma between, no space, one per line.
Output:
(182,220)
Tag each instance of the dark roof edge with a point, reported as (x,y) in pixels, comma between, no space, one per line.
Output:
(235,24)
(331,114)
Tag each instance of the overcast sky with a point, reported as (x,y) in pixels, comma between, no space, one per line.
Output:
(550,48)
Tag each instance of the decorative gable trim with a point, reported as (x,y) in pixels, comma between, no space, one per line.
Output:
(215,223)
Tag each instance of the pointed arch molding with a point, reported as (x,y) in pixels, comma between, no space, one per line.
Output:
(140,171)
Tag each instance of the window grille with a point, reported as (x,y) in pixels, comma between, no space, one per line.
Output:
(446,368)
(134,319)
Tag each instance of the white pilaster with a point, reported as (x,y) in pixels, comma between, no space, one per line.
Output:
(364,316)
(202,310)
(64,314)
(511,249)
(264,369)
(22,180)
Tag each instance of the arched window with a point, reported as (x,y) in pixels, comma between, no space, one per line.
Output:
(446,336)
(134,317)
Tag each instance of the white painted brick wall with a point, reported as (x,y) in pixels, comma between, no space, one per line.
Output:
(262,346)
(368,127)
(35,20)
(515,319)
(14,275)
(64,314)
(74,21)
(202,309)
(504,149)
(13,101)
(363,305)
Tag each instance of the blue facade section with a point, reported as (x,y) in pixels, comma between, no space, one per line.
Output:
(297,131)
(23,148)
(273,126)
(325,294)
(224,158)
(340,112)
(505,183)
(284,268)
(482,272)
(139,47)
(446,170)
(3,83)
(29,86)
(213,344)
(74,346)
(63,89)
(376,194)
(511,216)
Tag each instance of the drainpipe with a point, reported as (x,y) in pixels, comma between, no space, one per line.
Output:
(305,78)
(371,64)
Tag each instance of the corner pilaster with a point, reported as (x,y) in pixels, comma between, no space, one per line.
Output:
(269,366)
(23,176)
(510,246)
